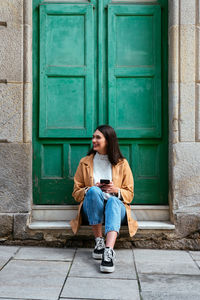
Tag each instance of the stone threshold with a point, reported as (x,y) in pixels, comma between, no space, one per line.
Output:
(44,225)
(68,212)
(44,217)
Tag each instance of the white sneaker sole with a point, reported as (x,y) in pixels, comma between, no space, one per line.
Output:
(107,269)
(97,256)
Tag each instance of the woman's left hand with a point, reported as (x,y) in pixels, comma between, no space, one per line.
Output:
(109,188)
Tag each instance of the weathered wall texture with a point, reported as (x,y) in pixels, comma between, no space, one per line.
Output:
(184,129)
(15,113)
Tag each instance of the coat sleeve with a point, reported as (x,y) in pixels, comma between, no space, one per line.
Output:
(79,185)
(127,188)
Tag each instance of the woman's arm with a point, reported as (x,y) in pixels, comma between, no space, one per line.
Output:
(127,188)
(79,184)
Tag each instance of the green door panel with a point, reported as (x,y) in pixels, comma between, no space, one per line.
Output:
(66,71)
(97,63)
(134,70)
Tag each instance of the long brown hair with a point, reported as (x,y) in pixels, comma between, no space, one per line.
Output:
(113,150)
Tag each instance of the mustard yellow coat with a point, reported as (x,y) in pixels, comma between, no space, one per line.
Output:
(122,178)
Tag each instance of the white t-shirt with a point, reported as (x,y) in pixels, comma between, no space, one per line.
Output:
(102,169)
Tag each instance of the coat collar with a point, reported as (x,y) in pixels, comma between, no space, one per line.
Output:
(88,161)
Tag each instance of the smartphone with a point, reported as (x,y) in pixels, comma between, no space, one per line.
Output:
(104,181)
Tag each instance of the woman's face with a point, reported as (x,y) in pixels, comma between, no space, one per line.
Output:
(99,142)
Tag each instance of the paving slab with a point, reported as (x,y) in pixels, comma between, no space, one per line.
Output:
(44,253)
(168,296)
(195,255)
(165,262)
(100,288)
(185,284)
(21,279)
(6,252)
(85,266)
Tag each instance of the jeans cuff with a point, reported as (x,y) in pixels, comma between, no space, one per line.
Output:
(107,229)
(96,222)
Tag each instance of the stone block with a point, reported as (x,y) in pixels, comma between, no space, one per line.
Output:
(11,37)
(187,53)
(27,12)
(6,225)
(21,231)
(15,177)
(188,12)
(187,223)
(173,112)
(173,12)
(198,52)
(11,112)
(186,177)
(12,11)
(198,113)
(27,57)
(27,113)
(187,112)
(173,42)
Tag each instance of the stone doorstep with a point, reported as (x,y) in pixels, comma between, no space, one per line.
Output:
(68,212)
(144,225)
(44,217)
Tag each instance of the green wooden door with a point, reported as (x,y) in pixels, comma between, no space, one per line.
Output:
(99,63)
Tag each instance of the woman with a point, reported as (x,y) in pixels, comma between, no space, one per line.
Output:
(104,200)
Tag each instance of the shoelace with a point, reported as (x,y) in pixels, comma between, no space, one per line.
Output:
(99,243)
(109,254)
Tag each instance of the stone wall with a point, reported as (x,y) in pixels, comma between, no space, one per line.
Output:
(184,129)
(15,113)
(16,129)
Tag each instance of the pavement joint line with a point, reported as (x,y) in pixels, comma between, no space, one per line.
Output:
(194,260)
(30,259)
(11,258)
(104,277)
(81,298)
(67,274)
(20,298)
(166,274)
(137,274)
(84,298)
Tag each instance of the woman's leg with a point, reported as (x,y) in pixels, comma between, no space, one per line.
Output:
(93,208)
(115,215)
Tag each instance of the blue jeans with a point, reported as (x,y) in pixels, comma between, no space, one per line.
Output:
(95,209)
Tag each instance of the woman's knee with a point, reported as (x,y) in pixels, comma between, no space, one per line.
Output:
(113,201)
(94,190)
(94,195)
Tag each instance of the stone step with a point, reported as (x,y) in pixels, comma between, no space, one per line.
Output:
(68,212)
(42,225)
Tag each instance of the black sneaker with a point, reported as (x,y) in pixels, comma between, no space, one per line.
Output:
(108,260)
(99,248)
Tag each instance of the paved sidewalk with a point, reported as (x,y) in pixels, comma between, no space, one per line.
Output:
(60,273)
